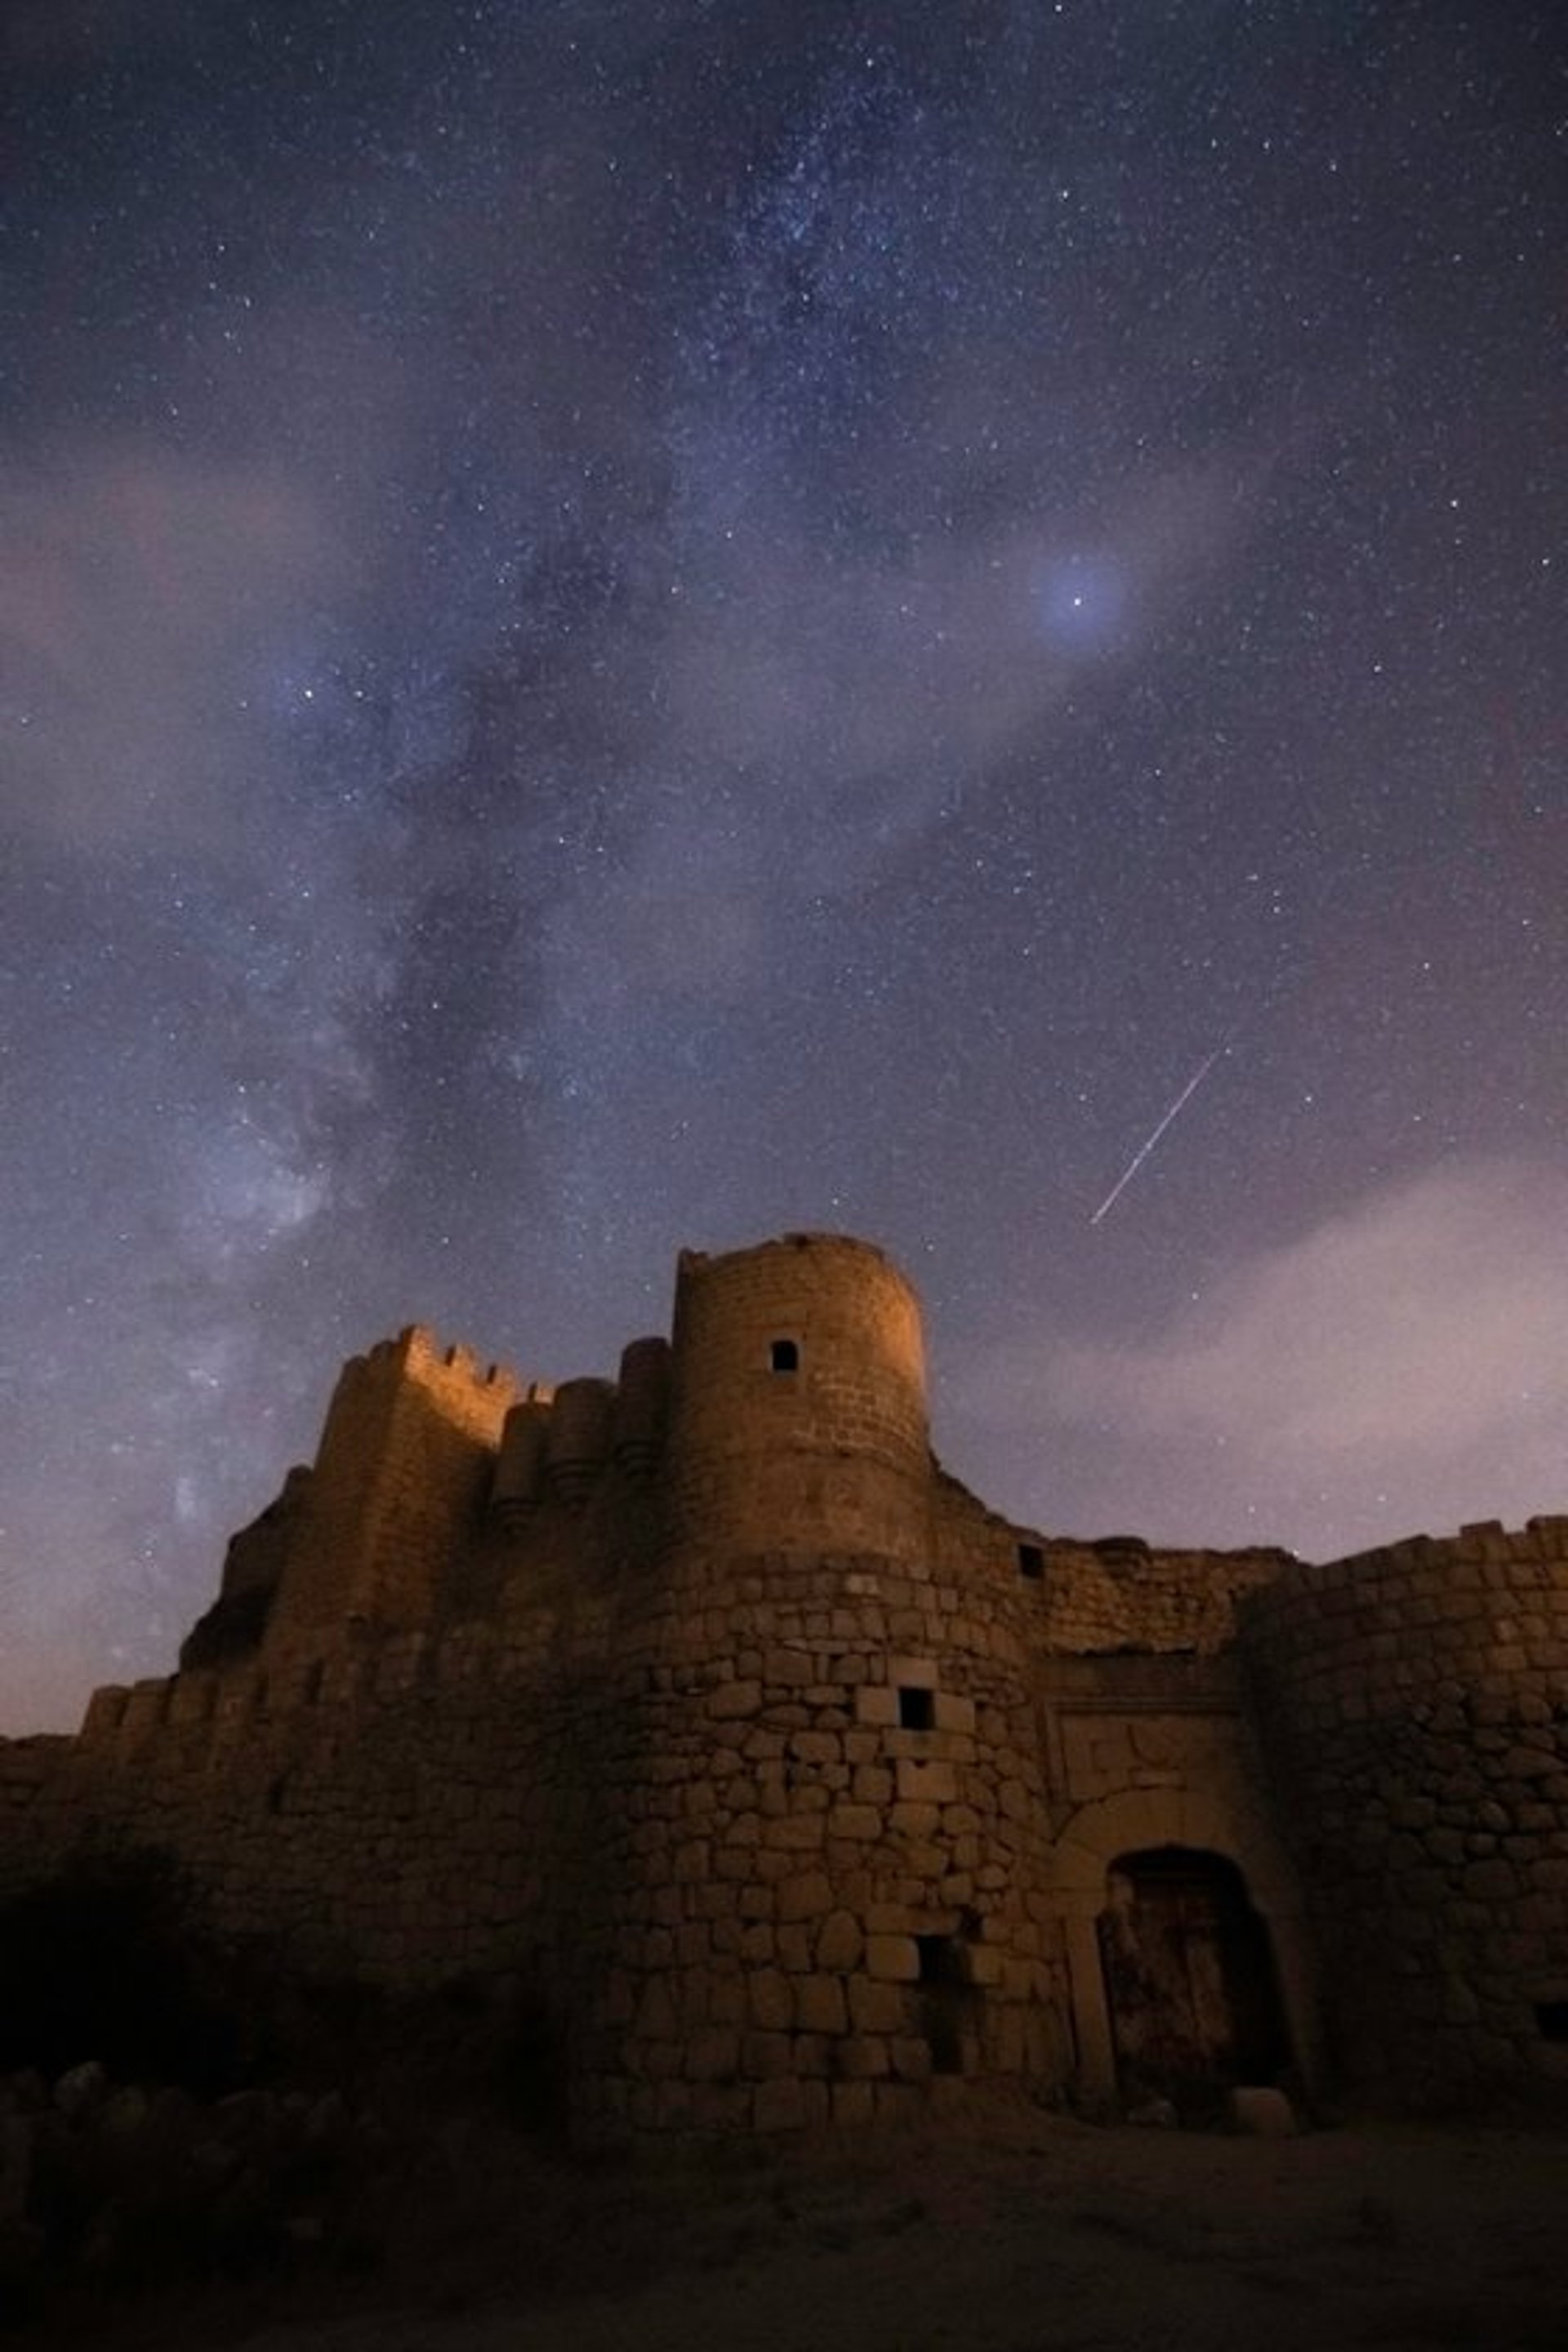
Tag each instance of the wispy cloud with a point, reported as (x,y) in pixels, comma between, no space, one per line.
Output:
(139,592)
(1401,1365)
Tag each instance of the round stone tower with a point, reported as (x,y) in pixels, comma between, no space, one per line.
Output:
(799,1414)
(824,1852)
(1414,1708)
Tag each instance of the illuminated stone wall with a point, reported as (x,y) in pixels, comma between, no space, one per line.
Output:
(1415,1706)
(790,1781)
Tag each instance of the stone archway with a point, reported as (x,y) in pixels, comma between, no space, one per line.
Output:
(1137,1822)
(1191,1989)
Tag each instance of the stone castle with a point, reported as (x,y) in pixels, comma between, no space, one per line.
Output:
(798,1788)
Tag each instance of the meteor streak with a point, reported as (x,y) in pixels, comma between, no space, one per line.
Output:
(1133,1165)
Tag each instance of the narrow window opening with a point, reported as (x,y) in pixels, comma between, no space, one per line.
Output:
(939,1960)
(942,1994)
(313,1681)
(1031,1562)
(277,1795)
(1551,2020)
(783,1356)
(917,1709)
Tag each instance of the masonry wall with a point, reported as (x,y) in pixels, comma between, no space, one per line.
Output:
(835,1905)
(34,1818)
(1415,1706)
(788,1777)
(400,1484)
(420,1811)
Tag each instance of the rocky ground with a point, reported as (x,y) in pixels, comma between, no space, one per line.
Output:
(294,2224)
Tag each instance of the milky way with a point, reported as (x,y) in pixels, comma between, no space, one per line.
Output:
(627,625)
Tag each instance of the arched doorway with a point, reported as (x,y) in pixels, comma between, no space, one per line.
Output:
(1190,1983)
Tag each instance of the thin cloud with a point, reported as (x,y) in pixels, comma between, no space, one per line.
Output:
(139,594)
(1401,1365)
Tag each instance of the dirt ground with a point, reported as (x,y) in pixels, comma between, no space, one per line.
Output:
(1046,2236)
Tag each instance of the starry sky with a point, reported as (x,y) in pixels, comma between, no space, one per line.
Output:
(639,622)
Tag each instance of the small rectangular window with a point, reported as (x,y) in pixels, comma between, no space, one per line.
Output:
(939,1959)
(783,1356)
(1031,1562)
(1551,2020)
(917,1709)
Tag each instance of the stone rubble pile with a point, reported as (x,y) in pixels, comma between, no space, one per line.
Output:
(121,2185)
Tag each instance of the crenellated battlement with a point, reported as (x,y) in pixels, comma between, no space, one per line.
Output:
(419,1352)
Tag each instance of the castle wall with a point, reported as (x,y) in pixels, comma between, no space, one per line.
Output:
(1123,1595)
(835,1872)
(416,1811)
(800,1787)
(1415,1706)
(34,1801)
(834,1893)
(401,1479)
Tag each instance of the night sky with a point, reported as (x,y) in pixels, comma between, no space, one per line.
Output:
(640,623)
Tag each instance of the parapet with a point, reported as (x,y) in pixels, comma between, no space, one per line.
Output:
(419,1351)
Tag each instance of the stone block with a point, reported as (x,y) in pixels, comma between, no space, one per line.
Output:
(854,2105)
(656,2011)
(764,2057)
(807,1896)
(781,2106)
(918,1783)
(733,1699)
(840,1942)
(797,1832)
(713,2055)
(912,1674)
(819,2006)
(674,2109)
(877,2008)
(817,1747)
(915,1820)
(863,2058)
(892,1959)
(791,1666)
(861,1823)
(911,2056)
(770,1996)
(721,2106)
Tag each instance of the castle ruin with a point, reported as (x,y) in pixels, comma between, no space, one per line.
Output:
(798,1788)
